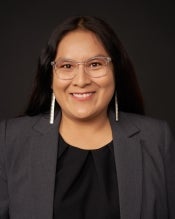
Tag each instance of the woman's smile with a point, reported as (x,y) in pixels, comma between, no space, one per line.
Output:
(82,96)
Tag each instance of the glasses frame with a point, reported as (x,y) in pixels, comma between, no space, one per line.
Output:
(106,58)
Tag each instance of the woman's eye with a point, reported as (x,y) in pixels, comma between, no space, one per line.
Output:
(95,64)
(66,66)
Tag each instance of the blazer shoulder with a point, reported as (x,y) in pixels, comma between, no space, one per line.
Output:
(143,122)
(18,126)
(148,127)
(154,132)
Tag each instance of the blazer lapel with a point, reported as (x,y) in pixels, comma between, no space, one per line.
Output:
(128,158)
(43,167)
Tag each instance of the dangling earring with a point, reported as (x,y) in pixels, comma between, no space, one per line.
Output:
(116,108)
(52,109)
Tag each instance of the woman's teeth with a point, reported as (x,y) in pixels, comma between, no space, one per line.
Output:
(82,95)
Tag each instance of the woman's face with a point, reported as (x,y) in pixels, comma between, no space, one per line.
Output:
(83,97)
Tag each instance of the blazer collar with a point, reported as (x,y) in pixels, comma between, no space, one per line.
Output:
(124,126)
(43,126)
(128,160)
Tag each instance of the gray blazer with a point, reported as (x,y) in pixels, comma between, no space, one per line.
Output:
(145,163)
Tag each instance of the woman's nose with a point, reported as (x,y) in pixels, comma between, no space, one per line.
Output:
(81,78)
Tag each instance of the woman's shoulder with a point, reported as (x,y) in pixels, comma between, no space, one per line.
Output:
(142,121)
(148,126)
(19,125)
(154,133)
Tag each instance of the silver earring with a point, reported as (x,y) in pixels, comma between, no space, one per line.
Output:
(116,108)
(52,109)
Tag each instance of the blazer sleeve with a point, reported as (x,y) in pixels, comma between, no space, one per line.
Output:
(4,200)
(169,160)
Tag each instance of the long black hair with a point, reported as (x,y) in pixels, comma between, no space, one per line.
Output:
(126,84)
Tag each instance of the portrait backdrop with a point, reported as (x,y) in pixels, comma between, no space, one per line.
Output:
(146,28)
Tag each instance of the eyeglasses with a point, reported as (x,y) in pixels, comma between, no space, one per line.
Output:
(95,67)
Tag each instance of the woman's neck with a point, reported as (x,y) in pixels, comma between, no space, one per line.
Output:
(86,134)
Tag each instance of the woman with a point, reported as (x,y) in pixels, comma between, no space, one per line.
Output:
(90,161)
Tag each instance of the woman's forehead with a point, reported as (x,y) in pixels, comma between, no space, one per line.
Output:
(80,43)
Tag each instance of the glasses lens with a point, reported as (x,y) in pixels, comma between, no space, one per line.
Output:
(65,69)
(97,67)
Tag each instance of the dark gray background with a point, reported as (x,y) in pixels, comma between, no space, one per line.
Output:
(147,29)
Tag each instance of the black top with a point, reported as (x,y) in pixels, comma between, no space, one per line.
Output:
(86,183)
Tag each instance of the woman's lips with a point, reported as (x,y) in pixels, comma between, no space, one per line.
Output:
(82,96)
